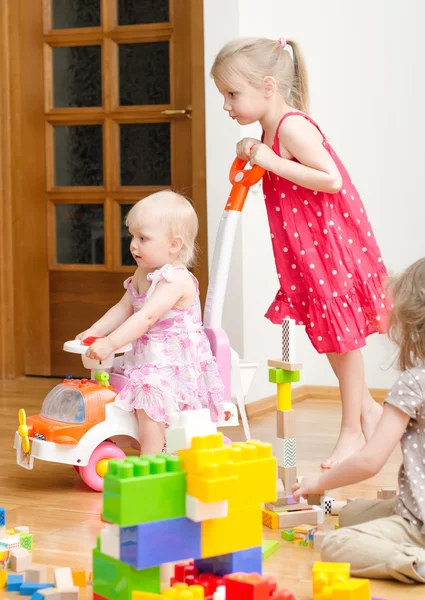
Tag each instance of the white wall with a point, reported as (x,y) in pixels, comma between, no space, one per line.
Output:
(365,61)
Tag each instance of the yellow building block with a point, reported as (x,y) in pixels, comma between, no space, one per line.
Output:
(270,519)
(79,577)
(352,589)
(217,482)
(284,396)
(3,579)
(194,461)
(326,574)
(253,462)
(240,530)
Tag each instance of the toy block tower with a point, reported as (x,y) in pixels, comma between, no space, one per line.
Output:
(203,505)
(285,513)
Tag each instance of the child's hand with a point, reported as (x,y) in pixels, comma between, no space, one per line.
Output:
(100,349)
(309,485)
(243,148)
(90,332)
(263,156)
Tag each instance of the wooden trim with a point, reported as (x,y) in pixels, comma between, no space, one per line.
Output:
(199,179)
(306,392)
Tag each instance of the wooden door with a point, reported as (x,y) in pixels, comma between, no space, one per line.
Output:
(120,81)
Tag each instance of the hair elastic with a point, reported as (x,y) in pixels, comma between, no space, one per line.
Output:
(282,42)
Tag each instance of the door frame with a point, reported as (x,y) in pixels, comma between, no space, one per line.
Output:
(24,274)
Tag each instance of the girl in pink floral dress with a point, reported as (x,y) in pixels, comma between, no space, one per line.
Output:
(329,267)
(171,367)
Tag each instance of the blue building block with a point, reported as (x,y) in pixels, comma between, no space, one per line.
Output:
(29,588)
(242,561)
(2,517)
(14,582)
(152,544)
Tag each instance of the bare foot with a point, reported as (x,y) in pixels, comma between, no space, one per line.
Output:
(370,418)
(349,441)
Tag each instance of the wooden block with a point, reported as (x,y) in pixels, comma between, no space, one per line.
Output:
(22,529)
(286,452)
(36,574)
(79,577)
(50,594)
(285,507)
(283,498)
(63,578)
(386,493)
(288,475)
(286,424)
(21,560)
(287,535)
(314,499)
(286,366)
(72,593)
(282,376)
(270,519)
(284,396)
(337,506)
(315,516)
(318,538)
(353,499)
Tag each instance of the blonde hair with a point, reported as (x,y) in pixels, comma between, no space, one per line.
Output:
(256,58)
(407,318)
(176,215)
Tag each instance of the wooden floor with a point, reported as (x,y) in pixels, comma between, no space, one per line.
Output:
(64,515)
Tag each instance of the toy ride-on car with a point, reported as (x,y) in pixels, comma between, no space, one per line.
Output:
(80,425)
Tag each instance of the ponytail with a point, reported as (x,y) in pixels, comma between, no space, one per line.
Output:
(299,93)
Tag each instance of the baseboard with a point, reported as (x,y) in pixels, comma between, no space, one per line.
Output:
(306,392)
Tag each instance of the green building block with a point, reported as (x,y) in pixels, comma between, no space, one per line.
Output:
(115,580)
(26,540)
(287,534)
(142,489)
(282,376)
(269,547)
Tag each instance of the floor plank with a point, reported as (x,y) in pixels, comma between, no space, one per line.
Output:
(63,514)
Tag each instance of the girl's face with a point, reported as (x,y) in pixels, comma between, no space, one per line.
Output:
(245,103)
(150,245)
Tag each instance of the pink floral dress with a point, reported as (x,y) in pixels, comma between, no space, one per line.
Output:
(330,270)
(171,367)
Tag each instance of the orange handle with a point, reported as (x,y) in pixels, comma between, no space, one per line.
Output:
(242,179)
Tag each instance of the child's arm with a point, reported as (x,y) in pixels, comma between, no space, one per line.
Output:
(316,170)
(365,463)
(110,320)
(166,295)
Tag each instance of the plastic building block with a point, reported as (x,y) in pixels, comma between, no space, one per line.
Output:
(269,547)
(63,578)
(283,376)
(352,589)
(287,452)
(35,574)
(244,525)
(249,561)
(47,594)
(286,423)
(159,480)
(29,588)
(286,366)
(14,582)
(21,559)
(287,534)
(3,579)
(326,574)
(204,450)
(116,580)
(198,511)
(79,577)
(284,396)
(241,586)
(110,540)
(187,424)
(151,544)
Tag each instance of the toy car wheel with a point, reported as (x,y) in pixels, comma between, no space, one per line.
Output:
(93,473)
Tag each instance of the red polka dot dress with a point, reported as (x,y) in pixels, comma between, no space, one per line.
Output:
(328,263)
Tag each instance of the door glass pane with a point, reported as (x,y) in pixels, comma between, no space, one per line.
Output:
(135,12)
(78,155)
(126,257)
(145,154)
(77,79)
(80,234)
(75,13)
(144,73)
